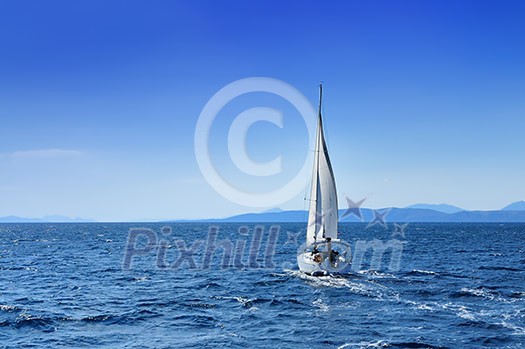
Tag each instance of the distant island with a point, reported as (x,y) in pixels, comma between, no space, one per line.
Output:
(424,213)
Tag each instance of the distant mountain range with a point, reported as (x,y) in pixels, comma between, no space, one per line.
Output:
(515,206)
(514,212)
(440,207)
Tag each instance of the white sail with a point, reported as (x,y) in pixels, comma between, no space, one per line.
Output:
(322,215)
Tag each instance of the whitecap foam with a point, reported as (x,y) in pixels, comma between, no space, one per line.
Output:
(425,272)
(376,274)
(365,287)
(420,306)
(374,344)
(479,292)
(320,304)
(518,330)
(8,308)
(460,311)
(141,278)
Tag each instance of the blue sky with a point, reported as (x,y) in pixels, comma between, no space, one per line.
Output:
(424,101)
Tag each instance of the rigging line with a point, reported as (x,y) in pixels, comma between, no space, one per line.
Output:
(317,146)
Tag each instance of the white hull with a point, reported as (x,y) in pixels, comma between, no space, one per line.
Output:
(308,266)
(315,259)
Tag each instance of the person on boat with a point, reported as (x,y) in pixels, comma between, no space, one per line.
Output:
(333,254)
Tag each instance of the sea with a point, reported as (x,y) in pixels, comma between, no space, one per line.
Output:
(202,285)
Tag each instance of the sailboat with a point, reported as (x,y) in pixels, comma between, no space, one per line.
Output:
(323,252)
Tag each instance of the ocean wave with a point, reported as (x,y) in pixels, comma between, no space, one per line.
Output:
(43,325)
(367,288)
(141,278)
(419,272)
(201,305)
(195,319)
(517,330)
(517,295)
(50,322)
(245,302)
(385,344)
(9,308)
(498,268)
(376,274)
(420,305)
(473,292)
(474,322)
(213,285)
(459,310)
(423,292)
(319,303)
(487,293)
(415,345)
(98,318)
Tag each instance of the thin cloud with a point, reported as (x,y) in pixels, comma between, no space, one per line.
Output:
(42,153)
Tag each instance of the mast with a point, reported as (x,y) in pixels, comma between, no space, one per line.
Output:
(320,99)
(317,147)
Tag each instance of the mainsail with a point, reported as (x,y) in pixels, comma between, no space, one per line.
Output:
(322,216)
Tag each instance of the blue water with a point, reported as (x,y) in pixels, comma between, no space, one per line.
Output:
(68,285)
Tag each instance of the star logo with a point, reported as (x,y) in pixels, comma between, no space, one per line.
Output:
(399,230)
(319,218)
(292,238)
(379,218)
(354,208)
